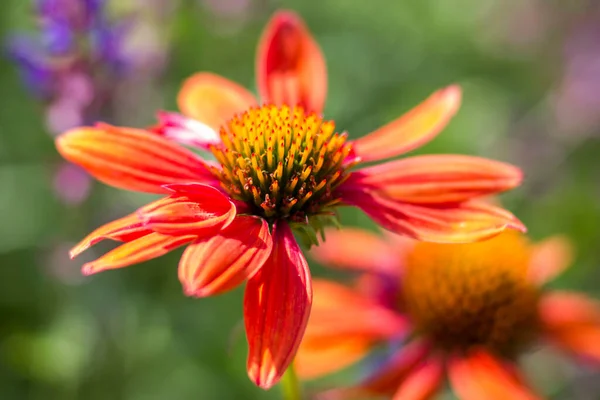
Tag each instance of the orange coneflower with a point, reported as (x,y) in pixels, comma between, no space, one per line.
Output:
(462,310)
(279,168)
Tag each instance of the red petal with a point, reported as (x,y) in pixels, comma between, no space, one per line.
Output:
(480,376)
(344,324)
(212,99)
(213,265)
(358,250)
(413,129)
(423,382)
(131,158)
(199,211)
(276,308)
(438,178)
(572,321)
(290,66)
(186,131)
(124,230)
(142,249)
(550,257)
(451,223)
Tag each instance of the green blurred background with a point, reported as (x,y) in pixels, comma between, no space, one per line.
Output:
(530,70)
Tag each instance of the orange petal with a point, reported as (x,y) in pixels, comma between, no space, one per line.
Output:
(216,264)
(423,382)
(142,249)
(124,230)
(550,257)
(339,311)
(342,327)
(277,304)
(413,129)
(572,321)
(212,99)
(438,179)
(451,223)
(356,249)
(317,358)
(480,376)
(131,159)
(290,67)
(197,211)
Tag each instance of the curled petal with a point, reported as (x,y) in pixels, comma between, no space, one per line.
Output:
(450,223)
(437,179)
(142,249)
(480,376)
(343,326)
(422,382)
(572,321)
(277,304)
(131,159)
(290,66)
(212,99)
(356,249)
(186,131)
(204,211)
(550,257)
(413,129)
(212,265)
(124,229)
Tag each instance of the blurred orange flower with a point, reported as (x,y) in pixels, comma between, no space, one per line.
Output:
(465,310)
(280,167)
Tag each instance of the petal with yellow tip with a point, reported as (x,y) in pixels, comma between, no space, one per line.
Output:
(213,99)
(411,130)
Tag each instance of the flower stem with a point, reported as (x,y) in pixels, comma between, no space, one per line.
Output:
(290,385)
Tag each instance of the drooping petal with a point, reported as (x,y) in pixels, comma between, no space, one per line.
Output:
(572,321)
(413,129)
(480,376)
(290,67)
(123,229)
(437,179)
(186,131)
(356,249)
(342,327)
(131,159)
(215,264)
(277,304)
(449,223)
(144,248)
(423,382)
(550,257)
(212,99)
(197,211)
(386,379)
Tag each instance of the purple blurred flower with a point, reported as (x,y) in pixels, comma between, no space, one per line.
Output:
(75,63)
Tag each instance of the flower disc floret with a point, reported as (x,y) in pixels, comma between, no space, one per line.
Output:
(282,162)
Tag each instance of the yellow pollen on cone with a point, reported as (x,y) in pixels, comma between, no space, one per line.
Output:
(463,296)
(281,161)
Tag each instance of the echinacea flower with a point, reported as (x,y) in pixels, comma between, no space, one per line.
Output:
(465,311)
(280,169)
